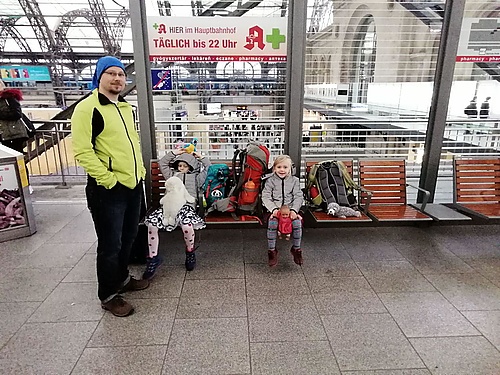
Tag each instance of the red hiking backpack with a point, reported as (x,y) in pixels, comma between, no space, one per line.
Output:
(248,167)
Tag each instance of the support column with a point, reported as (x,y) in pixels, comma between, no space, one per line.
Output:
(443,79)
(144,86)
(294,102)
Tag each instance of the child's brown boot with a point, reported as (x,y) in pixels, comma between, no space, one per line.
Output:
(297,255)
(272,256)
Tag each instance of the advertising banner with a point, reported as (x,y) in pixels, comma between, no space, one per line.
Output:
(11,208)
(14,73)
(479,40)
(161,79)
(217,38)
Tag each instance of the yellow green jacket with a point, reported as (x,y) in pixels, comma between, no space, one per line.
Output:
(105,141)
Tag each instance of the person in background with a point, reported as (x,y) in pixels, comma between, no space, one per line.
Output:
(283,188)
(485,108)
(471,109)
(191,168)
(10,110)
(106,145)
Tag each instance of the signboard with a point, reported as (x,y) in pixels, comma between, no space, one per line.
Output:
(479,40)
(12,209)
(217,38)
(18,73)
(162,79)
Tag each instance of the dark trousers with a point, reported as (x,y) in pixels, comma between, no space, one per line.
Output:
(115,213)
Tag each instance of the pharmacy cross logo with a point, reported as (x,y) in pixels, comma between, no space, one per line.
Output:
(276,38)
(255,38)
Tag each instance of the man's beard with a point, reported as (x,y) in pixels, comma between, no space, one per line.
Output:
(114,91)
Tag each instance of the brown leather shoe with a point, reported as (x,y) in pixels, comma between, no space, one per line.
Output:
(118,306)
(297,256)
(272,256)
(134,285)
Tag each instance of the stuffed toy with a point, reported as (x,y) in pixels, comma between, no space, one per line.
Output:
(176,196)
(336,210)
(189,147)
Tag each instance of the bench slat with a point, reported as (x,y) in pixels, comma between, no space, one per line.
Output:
(387,181)
(476,180)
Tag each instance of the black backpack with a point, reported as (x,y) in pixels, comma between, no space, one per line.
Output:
(334,183)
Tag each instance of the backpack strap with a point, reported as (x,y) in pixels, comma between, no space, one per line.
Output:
(324,185)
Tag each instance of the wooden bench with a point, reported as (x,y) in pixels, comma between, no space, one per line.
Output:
(320,216)
(386,179)
(476,186)
(214,218)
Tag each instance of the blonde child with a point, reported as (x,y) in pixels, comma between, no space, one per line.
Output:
(192,170)
(282,188)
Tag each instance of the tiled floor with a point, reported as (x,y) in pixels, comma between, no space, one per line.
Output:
(371,301)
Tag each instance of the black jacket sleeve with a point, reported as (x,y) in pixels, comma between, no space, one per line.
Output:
(12,111)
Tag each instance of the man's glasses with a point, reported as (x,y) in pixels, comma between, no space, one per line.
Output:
(115,74)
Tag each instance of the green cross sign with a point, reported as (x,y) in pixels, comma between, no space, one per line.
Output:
(276,38)
(155,26)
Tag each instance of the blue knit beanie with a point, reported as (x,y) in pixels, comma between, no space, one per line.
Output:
(102,64)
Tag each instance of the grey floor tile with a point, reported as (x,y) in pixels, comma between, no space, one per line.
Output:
(51,218)
(84,270)
(30,284)
(255,253)
(217,265)
(137,360)
(254,245)
(10,260)
(389,372)
(280,280)
(208,346)
(93,249)
(434,260)
(336,262)
(458,355)
(369,342)
(70,302)
(45,348)
(13,315)
(213,299)
(489,268)
(55,255)
(151,324)
(469,248)
(284,318)
(394,276)
(166,283)
(79,229)
(293,357)
(488,323)
(426,315)
(22,247)
(367,251)
(468,291)
(344,295)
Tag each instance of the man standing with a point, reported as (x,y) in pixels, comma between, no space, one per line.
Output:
(106,145)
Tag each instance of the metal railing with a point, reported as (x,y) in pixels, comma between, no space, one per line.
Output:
(51,158)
